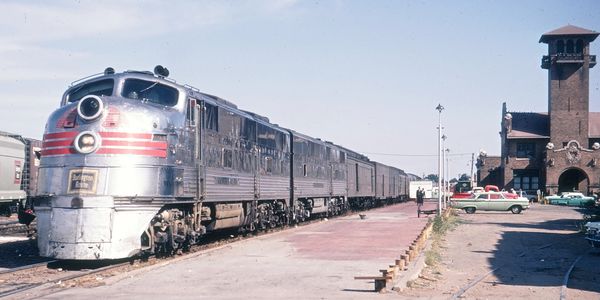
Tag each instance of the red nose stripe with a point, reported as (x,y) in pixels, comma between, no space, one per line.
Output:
(58,151)
(59,143)
(60,135)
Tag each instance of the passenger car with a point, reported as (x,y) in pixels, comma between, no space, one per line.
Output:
(494,201)
(571,199)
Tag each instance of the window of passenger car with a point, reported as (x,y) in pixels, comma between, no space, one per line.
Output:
(482,197)
(98,88)
(269,164)
(227,158)
(150,91)
(211,121)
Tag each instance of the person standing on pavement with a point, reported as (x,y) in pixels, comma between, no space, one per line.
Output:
(420,195)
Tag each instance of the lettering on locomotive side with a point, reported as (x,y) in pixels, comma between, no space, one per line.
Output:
(226,181)
(82,181)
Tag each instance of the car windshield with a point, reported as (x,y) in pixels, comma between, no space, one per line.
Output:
(150,91)
(98,88)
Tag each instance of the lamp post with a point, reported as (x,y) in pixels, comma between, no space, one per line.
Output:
(447,172)
(443,186)
(439,108)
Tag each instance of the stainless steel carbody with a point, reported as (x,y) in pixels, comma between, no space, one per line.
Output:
(390,182)
(319,168)
(133,160)
(361,175)
(95,205)
(12,155)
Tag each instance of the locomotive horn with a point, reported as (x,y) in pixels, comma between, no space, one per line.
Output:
(161,71)
(109,71)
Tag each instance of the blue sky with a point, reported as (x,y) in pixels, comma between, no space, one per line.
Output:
(364,74)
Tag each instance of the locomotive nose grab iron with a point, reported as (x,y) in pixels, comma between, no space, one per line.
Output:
(134,162)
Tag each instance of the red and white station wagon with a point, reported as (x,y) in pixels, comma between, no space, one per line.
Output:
(492,201)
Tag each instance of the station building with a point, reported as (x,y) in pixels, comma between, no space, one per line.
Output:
(557,150)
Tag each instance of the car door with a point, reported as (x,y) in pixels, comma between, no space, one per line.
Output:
(482,202)
(496,202)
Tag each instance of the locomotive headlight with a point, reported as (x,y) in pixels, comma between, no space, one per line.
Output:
(87,142)
(90,107)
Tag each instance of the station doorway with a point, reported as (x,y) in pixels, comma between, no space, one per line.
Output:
(573,180)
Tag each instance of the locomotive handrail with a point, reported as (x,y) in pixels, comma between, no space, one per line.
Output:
(85,78)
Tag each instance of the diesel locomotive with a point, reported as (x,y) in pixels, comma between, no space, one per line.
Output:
(134,162)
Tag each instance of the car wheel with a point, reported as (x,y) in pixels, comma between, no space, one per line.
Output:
(516,209)
(470,210)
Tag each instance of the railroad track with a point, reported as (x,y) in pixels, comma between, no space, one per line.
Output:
(14,227)
(53,276)
(22,281)
(563,288)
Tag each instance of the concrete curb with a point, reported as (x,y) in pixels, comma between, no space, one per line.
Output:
(413,271)
(410,264)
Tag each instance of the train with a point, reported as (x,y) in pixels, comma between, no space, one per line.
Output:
(135,163)
(19,161)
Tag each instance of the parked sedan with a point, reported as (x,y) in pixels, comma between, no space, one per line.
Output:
(571,199)
(495,201)
(593,234)
(531,197)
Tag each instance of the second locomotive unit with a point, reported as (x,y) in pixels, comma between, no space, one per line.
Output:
(134,162)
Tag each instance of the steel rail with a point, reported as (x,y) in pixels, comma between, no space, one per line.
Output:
(25,267)
(473,283)
(563,288)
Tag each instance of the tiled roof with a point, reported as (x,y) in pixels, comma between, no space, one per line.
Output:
(529,125)
(536,125)
(568,30)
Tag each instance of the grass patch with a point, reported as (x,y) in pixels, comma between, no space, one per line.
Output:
(432,257)
(441,226)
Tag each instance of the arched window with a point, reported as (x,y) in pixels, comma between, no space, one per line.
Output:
(570,46)
(560,46)
(579,47)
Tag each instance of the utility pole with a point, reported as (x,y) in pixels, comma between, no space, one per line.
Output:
(472,174)
(447,198)
(444,166)
(439,108)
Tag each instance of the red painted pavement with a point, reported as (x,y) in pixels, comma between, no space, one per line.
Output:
(384,234)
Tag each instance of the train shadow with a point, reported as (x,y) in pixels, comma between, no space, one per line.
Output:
(529,256)
(81,265)
(19,253)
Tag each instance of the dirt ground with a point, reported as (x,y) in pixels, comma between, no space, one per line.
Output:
(525,256)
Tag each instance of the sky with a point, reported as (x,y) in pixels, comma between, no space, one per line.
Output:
(366,75)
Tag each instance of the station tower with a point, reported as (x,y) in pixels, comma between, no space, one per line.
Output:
(570,161)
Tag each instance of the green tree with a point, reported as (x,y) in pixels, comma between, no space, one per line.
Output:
(432,177)
(464,177)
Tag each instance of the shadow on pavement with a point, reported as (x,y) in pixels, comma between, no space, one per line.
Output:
(19,253)
(534,258)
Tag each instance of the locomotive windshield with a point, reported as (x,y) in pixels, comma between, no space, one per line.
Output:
(98,88)
(149,91)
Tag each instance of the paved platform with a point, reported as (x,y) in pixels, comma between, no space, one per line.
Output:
(318,261)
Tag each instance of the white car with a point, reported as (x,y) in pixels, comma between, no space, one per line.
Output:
(532,198)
